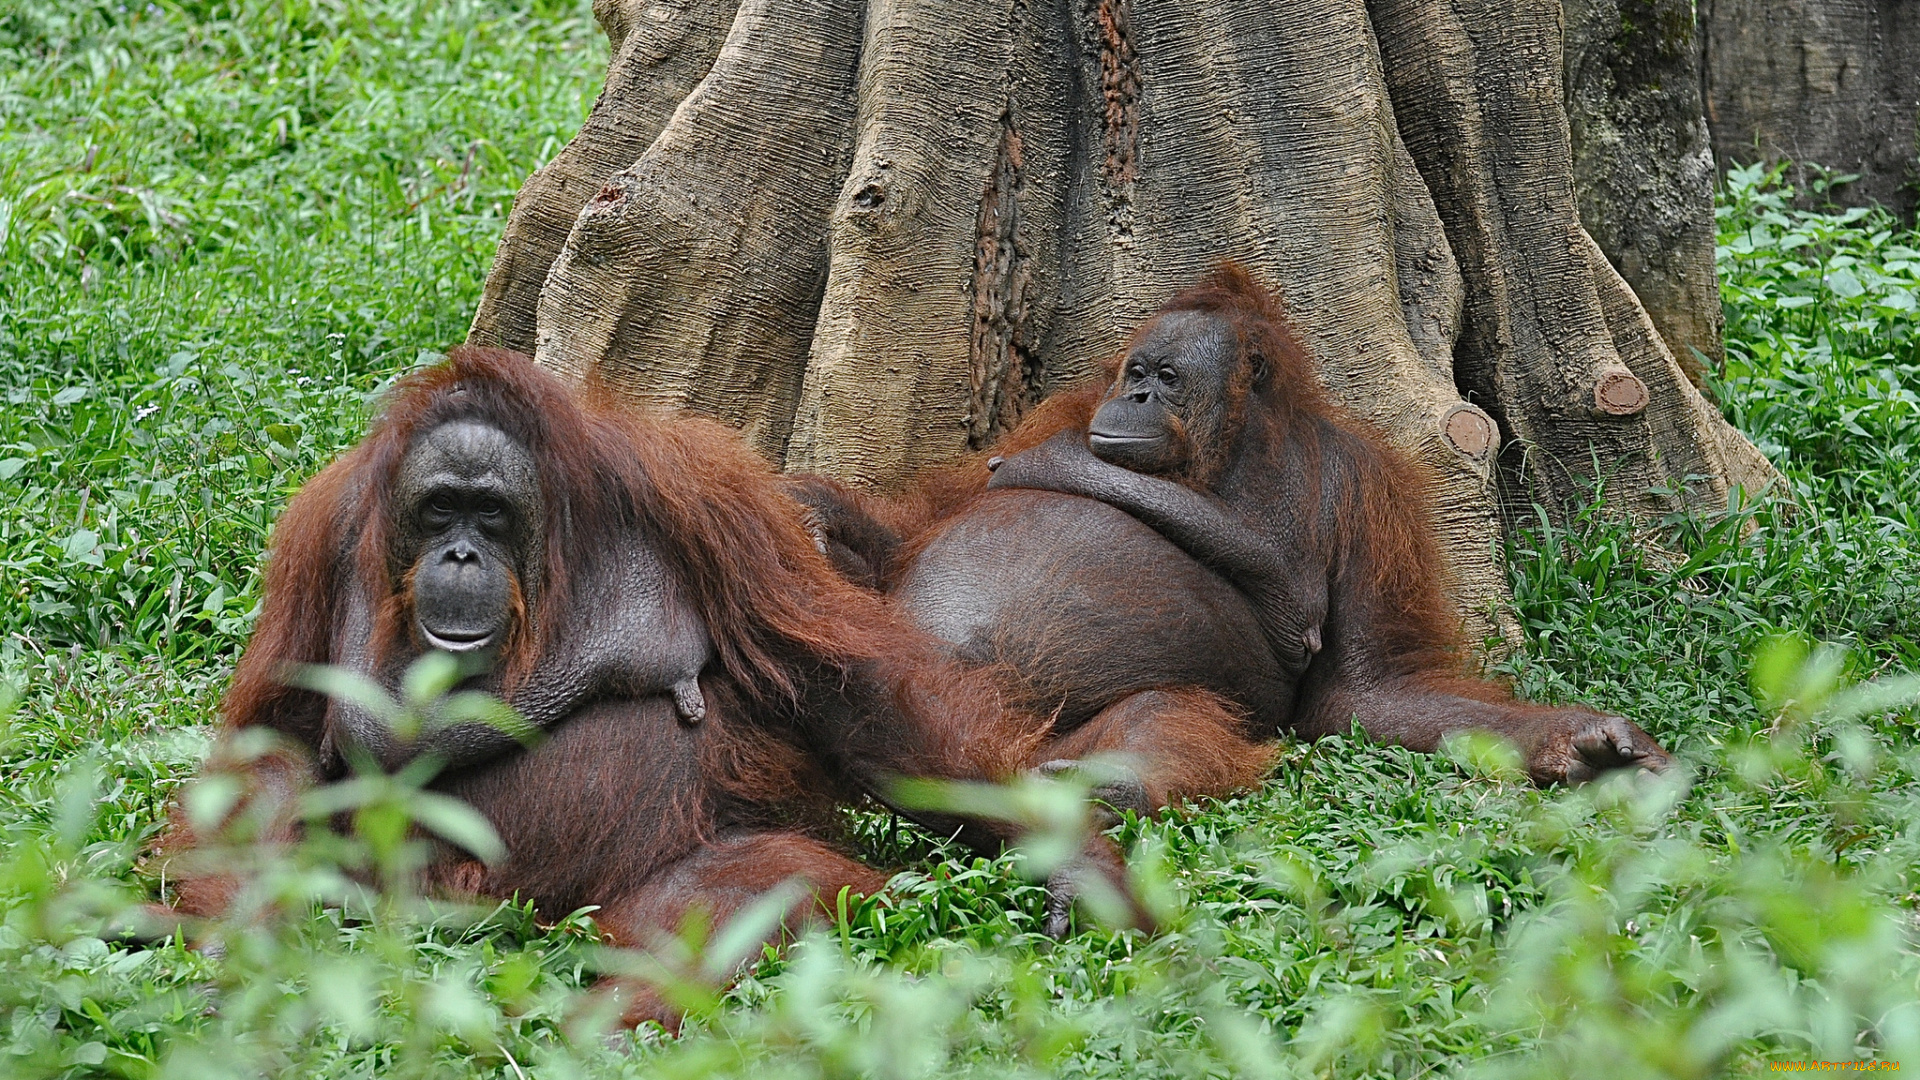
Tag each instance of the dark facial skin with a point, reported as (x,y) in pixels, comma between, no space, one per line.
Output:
(468,532)
(1171,394)
(470,502)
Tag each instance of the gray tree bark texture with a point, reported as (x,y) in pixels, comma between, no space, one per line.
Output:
(872,233)
(1834,83)
(1643,170)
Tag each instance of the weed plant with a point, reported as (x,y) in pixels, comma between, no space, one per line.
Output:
(224,226)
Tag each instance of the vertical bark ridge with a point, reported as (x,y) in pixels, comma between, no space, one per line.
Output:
(1120,101)
(1119,89)
(1004,364)
(1643,163)
(892,382)
(1432,292)
(1433,304)
(692,280)
(1476,84)
(1424,55)
(660,52)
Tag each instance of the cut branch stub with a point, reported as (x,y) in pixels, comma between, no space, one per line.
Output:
(1619,393)
(1697,447)
(876,232)
(1471,431)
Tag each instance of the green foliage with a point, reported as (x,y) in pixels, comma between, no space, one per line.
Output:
(1822,312)
(224,225)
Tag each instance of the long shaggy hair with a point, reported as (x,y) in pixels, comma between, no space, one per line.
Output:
(779,617)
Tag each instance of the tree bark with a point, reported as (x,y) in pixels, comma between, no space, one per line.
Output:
(1834,83)
(651,72)
(1643,172)
(877,231)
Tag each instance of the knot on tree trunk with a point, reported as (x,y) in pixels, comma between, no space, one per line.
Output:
(1619,393)
(1470,430)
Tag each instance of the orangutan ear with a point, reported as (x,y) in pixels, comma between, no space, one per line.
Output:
(1259,368)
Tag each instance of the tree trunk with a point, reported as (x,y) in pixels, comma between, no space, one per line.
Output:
(1834,83)
(1643,170)
(877,231)
(651,72)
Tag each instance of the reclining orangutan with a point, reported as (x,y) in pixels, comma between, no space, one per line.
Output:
(1204,554)
(644,592)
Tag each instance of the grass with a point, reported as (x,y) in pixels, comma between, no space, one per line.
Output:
(224,226)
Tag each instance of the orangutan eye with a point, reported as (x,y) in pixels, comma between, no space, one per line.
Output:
(1169,376)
